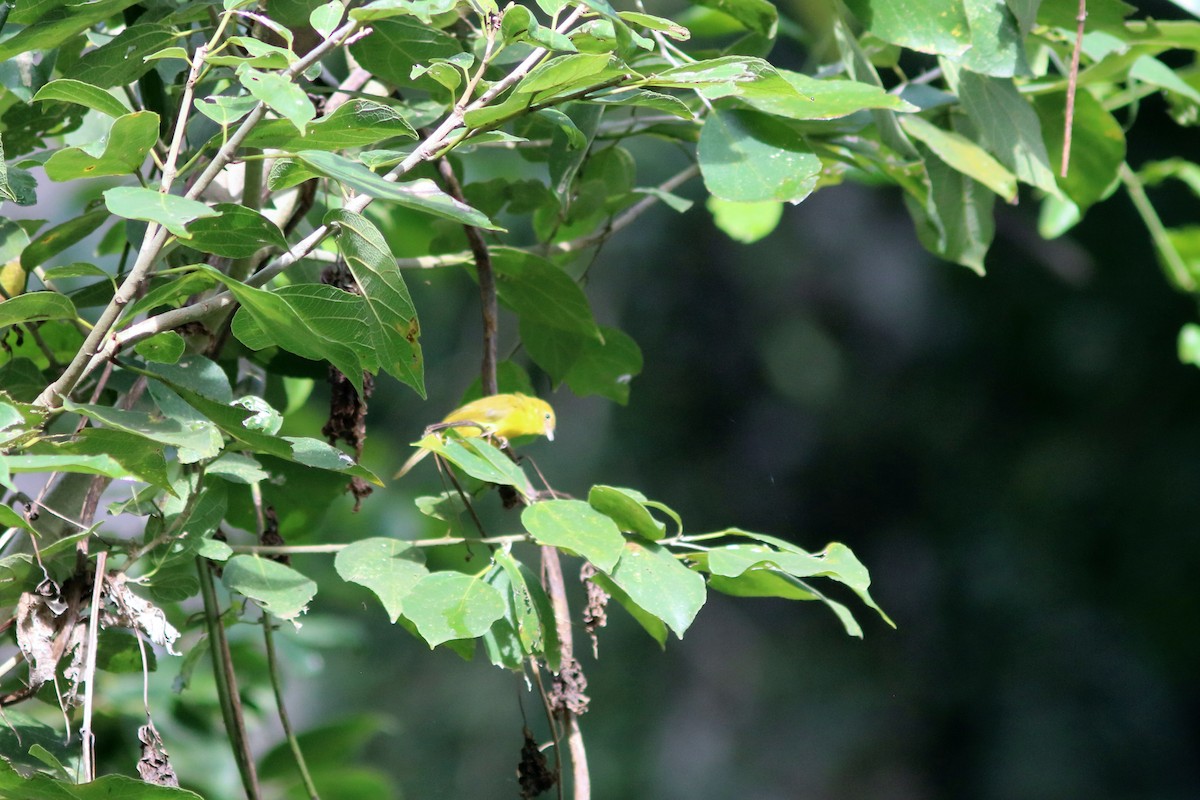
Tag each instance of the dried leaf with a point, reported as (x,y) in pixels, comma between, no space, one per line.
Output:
(140,614)
(154,765)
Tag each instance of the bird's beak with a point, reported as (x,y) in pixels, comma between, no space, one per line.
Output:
(550,434)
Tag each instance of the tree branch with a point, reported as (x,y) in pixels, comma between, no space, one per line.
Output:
(487,282)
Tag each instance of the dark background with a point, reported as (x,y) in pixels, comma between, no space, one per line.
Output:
(1015,457)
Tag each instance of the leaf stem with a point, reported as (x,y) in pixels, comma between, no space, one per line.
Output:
(284,720)
(226,680)
(1174,263)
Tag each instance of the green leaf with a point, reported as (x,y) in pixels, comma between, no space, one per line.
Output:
(1106,15)
(84,94)
(60,24)
(279,589)
(140,459)
(280,95)
(238,232)
(1097,147)
(796,96)
(605,367)
(660,584)
(964,225)
(759,16)
(528,609)
(394,329)
(649,622)
(421,194)
(356,123)
(562,71)
(555,351)
(198,374)
(200,437)
(745,222)
(424,10)
(88,465)
(540,292)
(665,103)
(725,72)
(396,45)
(166,347)
(574,525)
(121,152)
(836,561)
(1008,126)
(936,27)
(332,313)
(237,468)
(170,211)
(80,269)
(762,582)
(307,452)
(450,605)
(226,110)
(1189,344)
(57,239)
(963,155)
(388,567)
(625,508)
(34,306)
(122,60)
(747,157)
(997,45)
(171,292)
(273,312)
(258,54)
(478,458)
(324,19)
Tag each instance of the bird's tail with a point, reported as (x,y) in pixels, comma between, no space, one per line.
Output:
(412,462)
(414,459)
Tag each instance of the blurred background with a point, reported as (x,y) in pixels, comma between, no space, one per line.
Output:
(1015,457)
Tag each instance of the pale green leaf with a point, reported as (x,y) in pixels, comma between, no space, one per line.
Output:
(421,194)
(281,95)
(574,525)
(659,583)
(36,306)
(747,157)
(84,94)
(170,211)
(238,232)
(745,222)
(279,589)
(450,605)
(388,567)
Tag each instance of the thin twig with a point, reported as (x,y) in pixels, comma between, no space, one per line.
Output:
(629,215)
(1072,84)
(87,736)
(284,720)
(226,680)
(487,282)
(1174,263)
(309,549)
(557,590)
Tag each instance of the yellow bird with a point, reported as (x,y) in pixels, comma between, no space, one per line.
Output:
(502,416)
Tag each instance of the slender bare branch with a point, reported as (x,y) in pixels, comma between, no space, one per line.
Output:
(1072,85)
